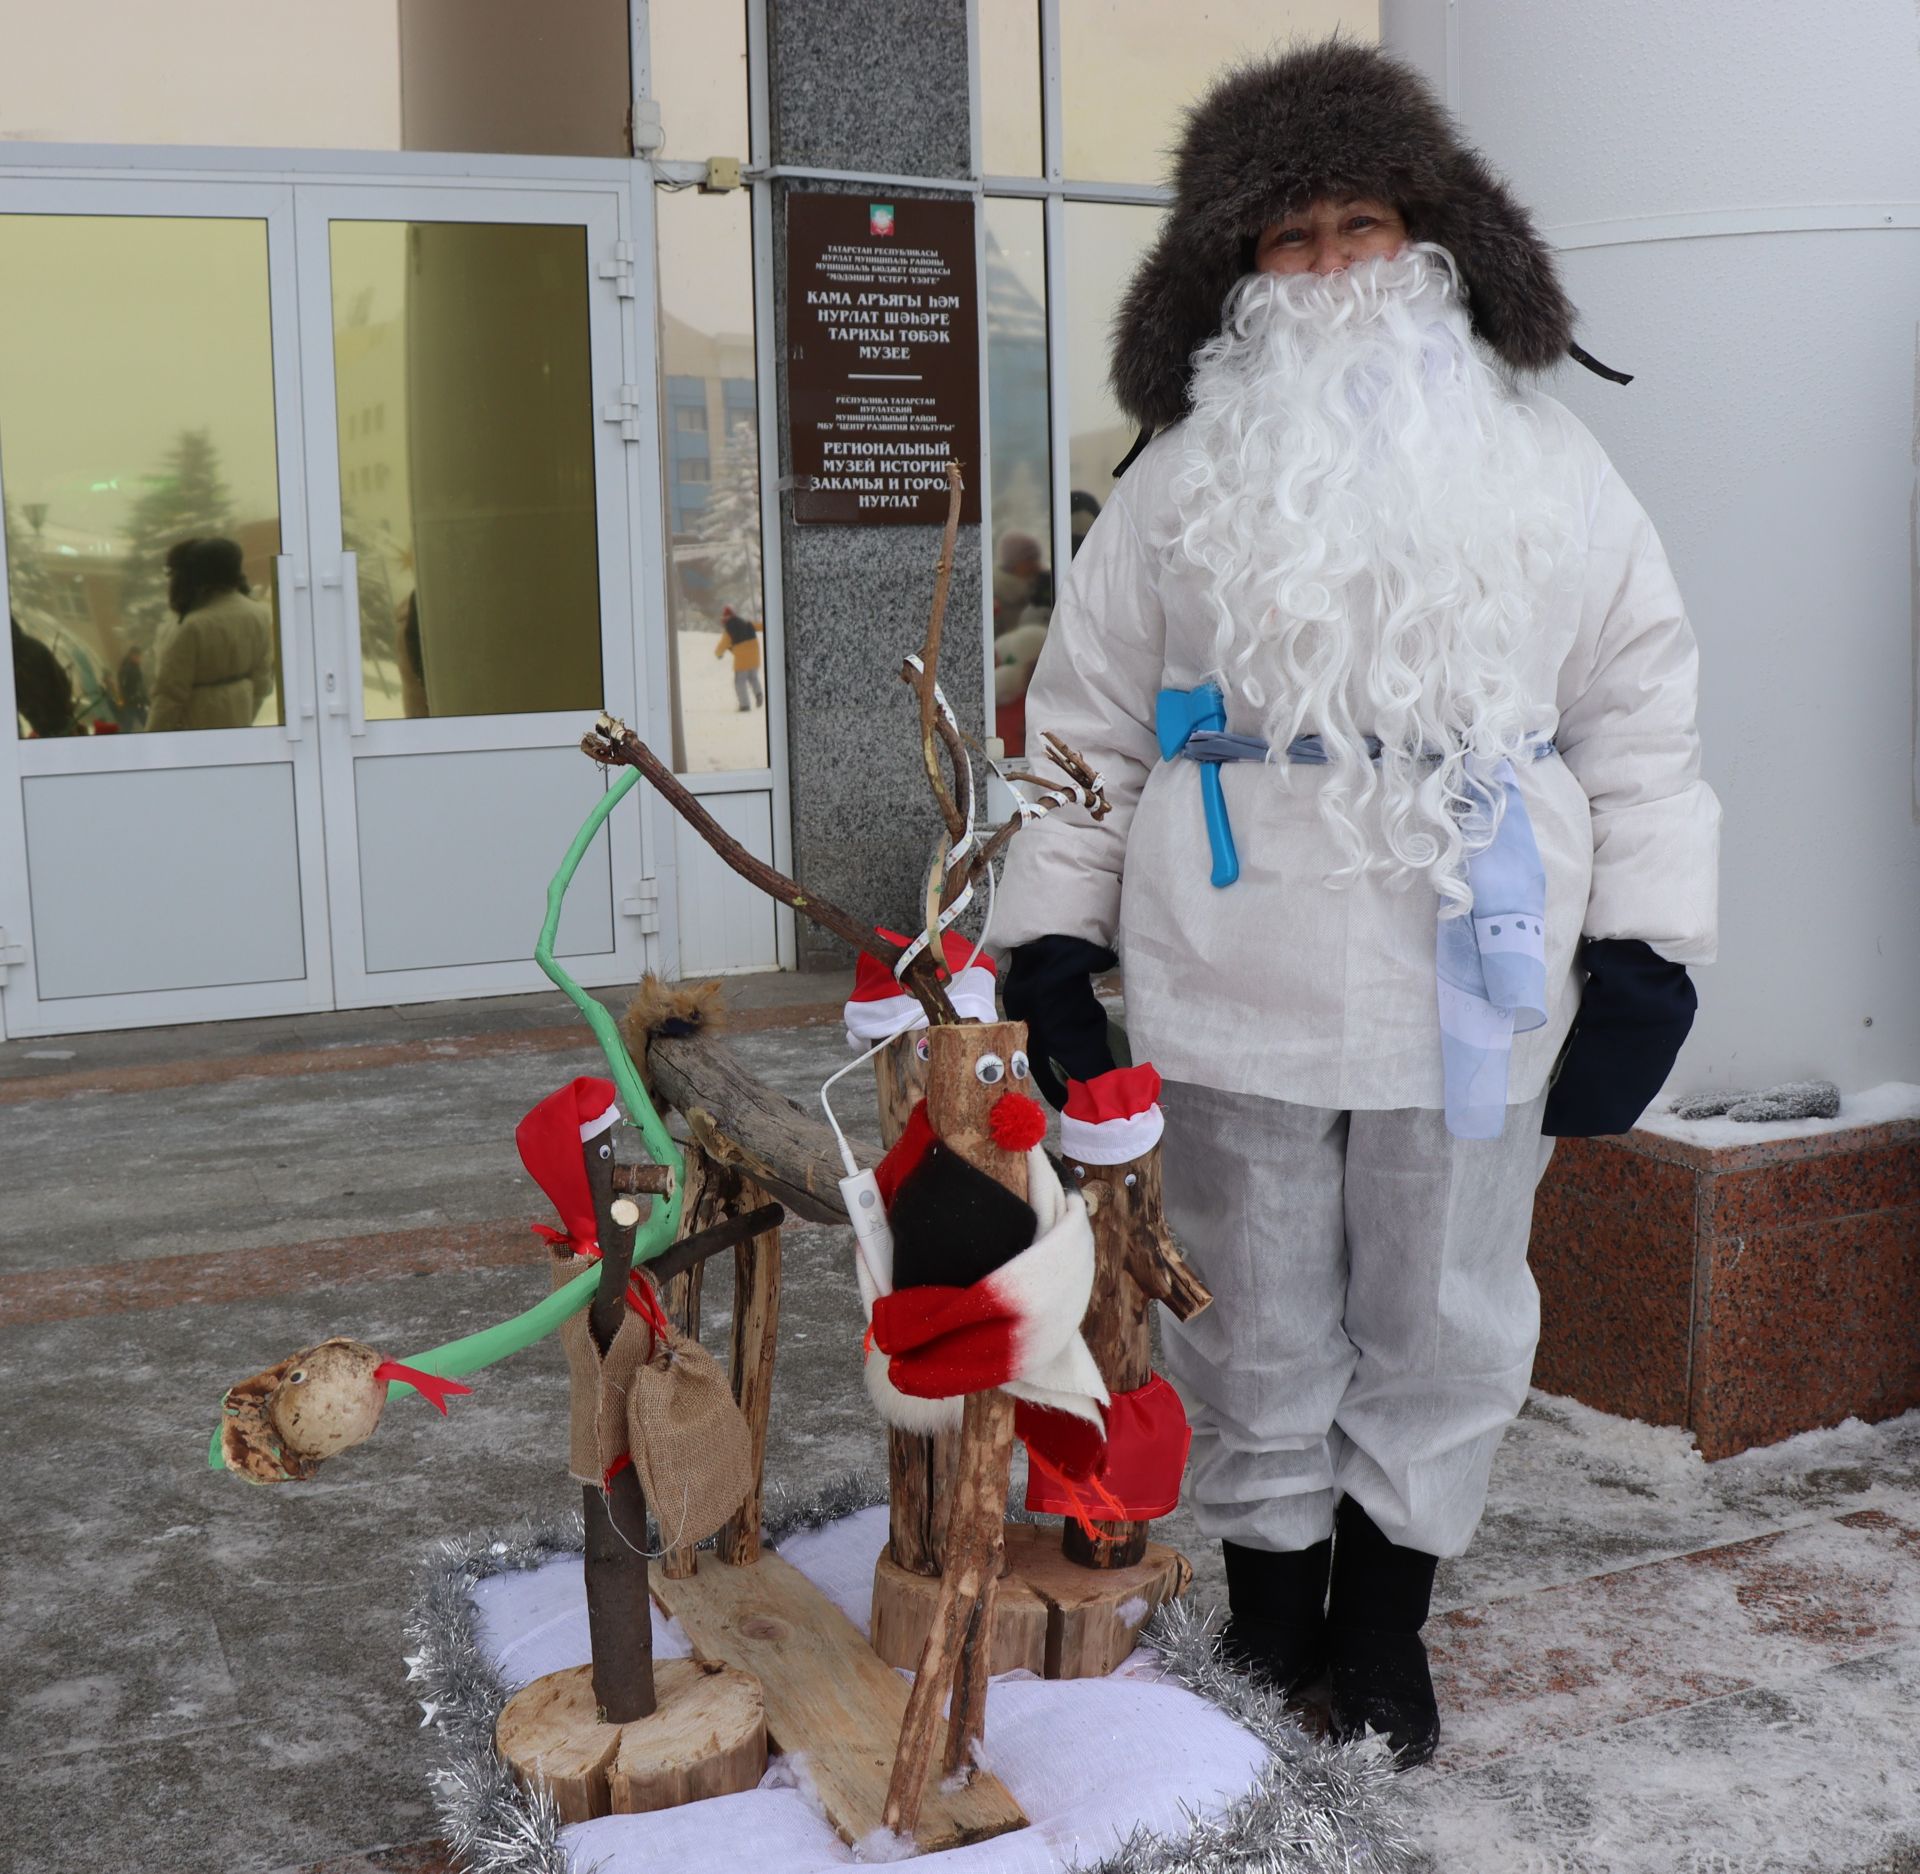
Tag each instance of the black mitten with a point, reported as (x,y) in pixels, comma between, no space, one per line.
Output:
(1634,1014)
(1049,986)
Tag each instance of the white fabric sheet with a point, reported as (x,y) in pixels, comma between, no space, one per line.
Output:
(1089,1760)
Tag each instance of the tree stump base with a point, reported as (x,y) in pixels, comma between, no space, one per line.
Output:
(1051,1616)
(706,1737)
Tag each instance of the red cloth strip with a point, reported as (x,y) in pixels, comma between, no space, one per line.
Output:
(430,1386)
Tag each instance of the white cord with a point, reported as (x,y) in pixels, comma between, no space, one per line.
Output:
(912,1021)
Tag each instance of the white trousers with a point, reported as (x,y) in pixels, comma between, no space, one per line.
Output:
(1374,1320)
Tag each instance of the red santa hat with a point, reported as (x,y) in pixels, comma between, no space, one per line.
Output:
(1113,1117)
(879,1007)
(550,1138)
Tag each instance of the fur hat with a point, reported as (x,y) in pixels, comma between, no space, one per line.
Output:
(1333,117)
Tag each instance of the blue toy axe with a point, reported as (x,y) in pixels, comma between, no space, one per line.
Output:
(1177,716)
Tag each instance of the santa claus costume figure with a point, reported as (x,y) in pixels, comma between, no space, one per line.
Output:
(1394,698)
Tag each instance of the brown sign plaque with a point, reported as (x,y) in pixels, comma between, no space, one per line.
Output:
(883,358)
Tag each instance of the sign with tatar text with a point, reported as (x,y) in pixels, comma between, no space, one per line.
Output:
(883,358)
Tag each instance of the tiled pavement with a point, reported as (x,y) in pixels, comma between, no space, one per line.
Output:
(1645,1662)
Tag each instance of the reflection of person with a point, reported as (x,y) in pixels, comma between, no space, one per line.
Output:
(215,662)
(741,636)
(1428,593)
(1085,510)
(407,655)
(1016,566)
(42,690)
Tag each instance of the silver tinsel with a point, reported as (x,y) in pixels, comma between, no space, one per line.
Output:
(1317,1808)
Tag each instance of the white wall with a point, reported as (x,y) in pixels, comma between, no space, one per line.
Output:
(1736,193)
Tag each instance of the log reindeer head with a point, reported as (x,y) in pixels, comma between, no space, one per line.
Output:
(980,1097)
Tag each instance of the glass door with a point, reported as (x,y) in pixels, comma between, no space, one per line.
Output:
(469,495)
(160,851)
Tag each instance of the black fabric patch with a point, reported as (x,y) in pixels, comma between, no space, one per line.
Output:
(952,1224)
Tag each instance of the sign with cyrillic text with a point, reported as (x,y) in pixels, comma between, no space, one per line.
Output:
(883,358)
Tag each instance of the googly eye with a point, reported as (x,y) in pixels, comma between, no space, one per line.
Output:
(1130,1180)
(989,1070)
(922,1047)
(298,1377)
(606,1150)
(1080,1172)
(1018,1065)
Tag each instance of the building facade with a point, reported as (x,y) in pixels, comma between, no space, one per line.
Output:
(465,320)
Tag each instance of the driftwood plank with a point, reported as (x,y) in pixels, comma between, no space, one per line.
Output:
(741,1124)
(827,1693)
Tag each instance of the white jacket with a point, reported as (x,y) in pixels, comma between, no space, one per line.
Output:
(1280,984)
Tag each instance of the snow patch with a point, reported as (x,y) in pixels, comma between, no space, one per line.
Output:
(789,1769)
(882,1844)
(1891,1100)
(1131,1611)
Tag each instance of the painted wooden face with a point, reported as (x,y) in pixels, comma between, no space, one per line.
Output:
(981,1093)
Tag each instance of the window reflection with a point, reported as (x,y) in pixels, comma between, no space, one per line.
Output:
(464,412)
(1021,458)
(1104,243)
(1010,87)
(711,441)
(697,63)
(548,77)
(1128,69)
(137,452)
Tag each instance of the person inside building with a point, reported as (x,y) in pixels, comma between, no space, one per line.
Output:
(741,637)
(214,662)
(42,690)
(1394,698)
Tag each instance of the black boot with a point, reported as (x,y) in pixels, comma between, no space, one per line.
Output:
(1276,1628)
(1376,1608)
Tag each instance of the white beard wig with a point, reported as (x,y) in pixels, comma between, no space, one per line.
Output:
(1364,497)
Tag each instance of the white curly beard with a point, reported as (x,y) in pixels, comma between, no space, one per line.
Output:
(1363,495)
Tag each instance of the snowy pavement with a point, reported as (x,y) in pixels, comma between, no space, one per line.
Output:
(1645,1662)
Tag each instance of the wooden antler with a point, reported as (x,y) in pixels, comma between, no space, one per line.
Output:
(614,745)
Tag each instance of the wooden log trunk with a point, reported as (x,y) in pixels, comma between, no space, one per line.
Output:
(1135,1262)
(959,1648)
(920,1468)
(756,1331)
(748,1129)
(619,1608)
(680,1301)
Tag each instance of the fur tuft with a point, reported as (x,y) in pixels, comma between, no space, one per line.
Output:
(1334,115)
(673,1010)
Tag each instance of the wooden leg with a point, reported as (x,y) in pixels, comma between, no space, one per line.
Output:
(961,1639)
(989,1424)
(619,1608)
(681,1300)
(756,1328)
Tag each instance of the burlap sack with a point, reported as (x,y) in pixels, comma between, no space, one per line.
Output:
(597,1392)
(690,1440)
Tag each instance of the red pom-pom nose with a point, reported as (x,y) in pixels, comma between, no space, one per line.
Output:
(1017,1123)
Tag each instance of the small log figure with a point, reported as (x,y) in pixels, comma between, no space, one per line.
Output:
(619,1611)
(1137,1262)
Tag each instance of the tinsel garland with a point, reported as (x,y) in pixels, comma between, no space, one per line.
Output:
(1317,1808)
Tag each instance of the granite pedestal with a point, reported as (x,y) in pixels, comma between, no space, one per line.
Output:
(1744,1290)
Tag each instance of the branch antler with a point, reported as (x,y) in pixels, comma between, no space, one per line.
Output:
(614,745)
